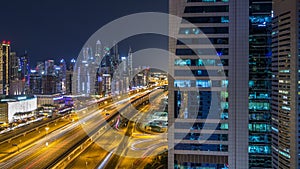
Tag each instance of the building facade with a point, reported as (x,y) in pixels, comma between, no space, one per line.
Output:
(4,67)
(15,108)
(260,78)
(285,85)
(208,108)
(35,83)
(24,72)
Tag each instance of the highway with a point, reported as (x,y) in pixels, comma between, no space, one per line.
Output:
(42,153)
(123,147)
(142,147)
(9,149)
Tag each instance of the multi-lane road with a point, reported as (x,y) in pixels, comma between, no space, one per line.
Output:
(127,147)
(45,146)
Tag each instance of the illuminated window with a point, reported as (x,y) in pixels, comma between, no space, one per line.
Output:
(224,105)
(203,83)
(224,95)
(224,83)
(259,106)
(286,108)
(224,19)
(224,116)
(260,116)
(224,126)
(259,138)
(259,127)
(260,19)
(259,149)
(182,83)
(182,62)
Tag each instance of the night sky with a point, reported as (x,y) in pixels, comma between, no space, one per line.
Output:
(59,28)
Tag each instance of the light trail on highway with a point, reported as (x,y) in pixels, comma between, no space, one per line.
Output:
(127,147)
(42,153)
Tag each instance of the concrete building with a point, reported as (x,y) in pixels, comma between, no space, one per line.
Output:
(15,108)
(208,93)
(56,100)
(285,85)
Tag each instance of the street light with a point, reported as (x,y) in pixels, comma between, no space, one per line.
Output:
(47,128)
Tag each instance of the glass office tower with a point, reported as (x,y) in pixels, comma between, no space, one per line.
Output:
(285,85)
(260,60)
(214,137)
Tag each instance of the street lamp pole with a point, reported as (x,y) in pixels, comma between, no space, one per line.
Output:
(47,128)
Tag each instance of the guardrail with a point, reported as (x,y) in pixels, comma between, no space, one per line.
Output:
(67,157)
(23,133)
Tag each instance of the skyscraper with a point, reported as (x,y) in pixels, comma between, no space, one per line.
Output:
(260,60)
(35,83)
(24,70)
(13,66)
(40,68)
(62,76)
(214,133)
(99,50)
(4,67)
(85,76)
(69,76)
(16,85)
(49,67)
(130,69)
(285,85)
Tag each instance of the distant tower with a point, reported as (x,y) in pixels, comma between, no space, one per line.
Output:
(72,64)
(69,77)
(16,86)
(40,68)
(24,69)
(130,71)
(4,67)
(13,66)
(86,72)
(35,82)
(49,67)
(62,76)
(114,57)
(98,51)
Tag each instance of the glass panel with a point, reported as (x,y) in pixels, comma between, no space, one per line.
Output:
(259,149)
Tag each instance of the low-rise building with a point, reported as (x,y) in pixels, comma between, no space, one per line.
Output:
(56,100)
(16,108)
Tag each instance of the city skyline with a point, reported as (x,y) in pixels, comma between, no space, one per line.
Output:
(190,84)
